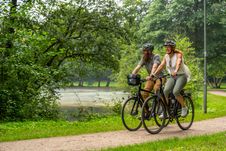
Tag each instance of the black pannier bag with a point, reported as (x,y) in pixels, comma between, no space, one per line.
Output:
(133,79)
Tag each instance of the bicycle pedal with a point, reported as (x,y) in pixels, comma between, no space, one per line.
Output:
(134,113)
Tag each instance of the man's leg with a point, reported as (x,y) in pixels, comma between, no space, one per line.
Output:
(148,86)
(158,84)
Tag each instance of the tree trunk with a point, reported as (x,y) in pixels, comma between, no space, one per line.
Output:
(9,43)
(108,83)
(80,84)
(219,82)
(98,83)
(215,82)
(210,83)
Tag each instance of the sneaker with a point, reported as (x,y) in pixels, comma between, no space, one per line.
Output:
(184,111)
(146,117)
(161,116)
(134,113)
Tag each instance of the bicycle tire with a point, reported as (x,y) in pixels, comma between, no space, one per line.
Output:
(185,122)
(149,118)
(135,122)
(167,120)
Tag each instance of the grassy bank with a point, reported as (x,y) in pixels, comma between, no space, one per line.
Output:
(37,129)
(199,143)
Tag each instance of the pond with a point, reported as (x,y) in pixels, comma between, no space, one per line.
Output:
(89,96)
(83,103)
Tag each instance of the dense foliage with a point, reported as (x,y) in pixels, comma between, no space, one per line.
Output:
(39,37)
(167,18)
(44,43)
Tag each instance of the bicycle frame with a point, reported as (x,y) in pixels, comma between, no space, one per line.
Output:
(161,107)
(167,105)
(142,90)
(139,97)
(161,95)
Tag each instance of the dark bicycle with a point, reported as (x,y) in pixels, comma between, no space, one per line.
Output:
(170,111)
(131,110)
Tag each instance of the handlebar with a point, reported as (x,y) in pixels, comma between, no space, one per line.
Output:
(160,77)
(156,77)
(143,80)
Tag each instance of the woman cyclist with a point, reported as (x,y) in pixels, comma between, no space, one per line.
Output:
(174,62)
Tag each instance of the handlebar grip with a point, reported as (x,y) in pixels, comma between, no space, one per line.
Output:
(143,80)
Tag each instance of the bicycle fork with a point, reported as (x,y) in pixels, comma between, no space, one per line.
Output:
(135,105)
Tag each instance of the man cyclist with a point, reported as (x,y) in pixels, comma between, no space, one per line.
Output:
(151,61)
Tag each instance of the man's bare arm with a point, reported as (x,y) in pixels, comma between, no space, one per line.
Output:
(136,70)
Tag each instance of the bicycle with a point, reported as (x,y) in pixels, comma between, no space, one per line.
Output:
(170,111)
(131,110)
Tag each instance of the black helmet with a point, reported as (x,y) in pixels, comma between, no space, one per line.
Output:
(170,43)
(148,46)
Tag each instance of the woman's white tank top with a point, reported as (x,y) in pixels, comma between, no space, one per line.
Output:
(172,62)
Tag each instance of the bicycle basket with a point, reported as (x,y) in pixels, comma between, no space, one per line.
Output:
(133,80)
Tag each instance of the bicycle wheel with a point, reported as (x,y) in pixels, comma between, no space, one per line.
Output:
(151,110)
(185,122)
(131,114)
(167,119)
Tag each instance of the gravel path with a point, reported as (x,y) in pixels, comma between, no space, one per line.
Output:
(112,139)
(217,92)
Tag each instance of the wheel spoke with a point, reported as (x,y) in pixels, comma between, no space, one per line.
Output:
(152,123)
(185,122)
(131,114)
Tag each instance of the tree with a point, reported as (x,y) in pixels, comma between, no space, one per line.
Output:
(134,13)
(154,25)
(168,18)
(44,37)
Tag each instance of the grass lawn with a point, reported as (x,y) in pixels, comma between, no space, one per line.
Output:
(198,143)
(223,85)
(38,129)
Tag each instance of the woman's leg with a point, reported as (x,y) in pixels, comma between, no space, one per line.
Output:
(181,81)
(168,87)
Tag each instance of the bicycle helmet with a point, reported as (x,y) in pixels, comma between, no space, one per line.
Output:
(148,46)
(170,43)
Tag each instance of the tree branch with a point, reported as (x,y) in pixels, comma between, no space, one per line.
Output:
(53,44)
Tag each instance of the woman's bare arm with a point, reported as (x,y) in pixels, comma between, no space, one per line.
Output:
(160,67)
(154,68)
(179,61)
